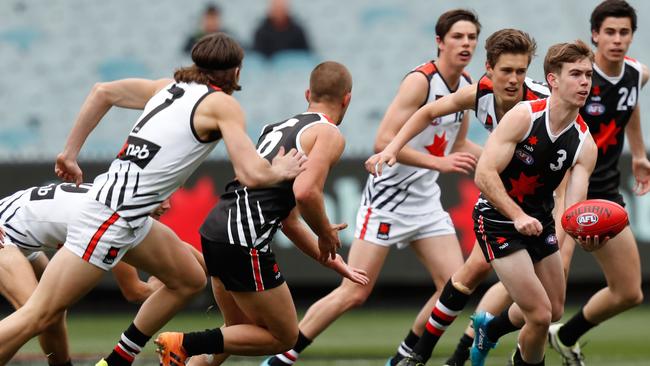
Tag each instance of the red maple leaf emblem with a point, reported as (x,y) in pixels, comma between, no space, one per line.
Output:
(532,140)
(189,207)
(437,148)
(461,214)
(606,135)
(523,186)
(595,90)
(501,240)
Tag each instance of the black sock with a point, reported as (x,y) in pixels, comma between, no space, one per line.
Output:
(302,342)
(289,357)
(570,332)
(208,342)
(448,306)
(67,363)
(130,345)
(500,326)
(405,347)
(519,361)
(461,354)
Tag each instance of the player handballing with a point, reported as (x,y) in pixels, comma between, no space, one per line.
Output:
(402,207)
(611,112)
(236,236)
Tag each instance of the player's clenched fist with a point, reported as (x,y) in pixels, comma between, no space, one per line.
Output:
(528,225)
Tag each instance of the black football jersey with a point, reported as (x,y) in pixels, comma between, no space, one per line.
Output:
(606,112)
(250,217)
(539,163)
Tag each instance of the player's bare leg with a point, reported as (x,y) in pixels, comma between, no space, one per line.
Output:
(18,280)
(453,297)
(619,260)
(441,256)
(66,279)
(162,254)
(538,293)
(232,315)
(473,272)
(363,255)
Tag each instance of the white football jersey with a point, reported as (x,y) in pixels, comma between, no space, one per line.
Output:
(412,190)
(486,104)
(37,218)
(160,153)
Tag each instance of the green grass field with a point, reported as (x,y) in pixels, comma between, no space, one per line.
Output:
(360,338)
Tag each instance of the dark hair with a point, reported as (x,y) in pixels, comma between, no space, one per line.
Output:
(329,82)
(449,18)
(216,57)
(212,9)
(561,53)
(612,8)
(509,41)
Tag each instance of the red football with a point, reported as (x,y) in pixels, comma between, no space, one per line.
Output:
(594,217)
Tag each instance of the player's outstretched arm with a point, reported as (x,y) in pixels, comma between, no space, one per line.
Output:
(227,118)
(304,240)
(498,152)
(462,143)
(399,135)
(324,145)
(127,93)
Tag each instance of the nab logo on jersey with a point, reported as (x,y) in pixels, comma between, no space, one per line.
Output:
(138,151)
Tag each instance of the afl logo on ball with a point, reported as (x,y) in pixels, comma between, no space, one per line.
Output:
(587,219)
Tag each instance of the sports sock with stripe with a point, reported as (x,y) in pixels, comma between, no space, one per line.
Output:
(448,306)
(289,357)
(131,343)
(405,348)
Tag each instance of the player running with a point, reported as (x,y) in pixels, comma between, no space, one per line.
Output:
(509,53)
(182,122)
(34,220)
(611,112)
(402,208)
(260,314)
(525,159)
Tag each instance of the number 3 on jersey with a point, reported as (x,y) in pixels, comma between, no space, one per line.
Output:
(560,160)
(273,137)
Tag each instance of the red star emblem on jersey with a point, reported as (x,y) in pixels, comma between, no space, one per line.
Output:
(532,140)
(437,148)
(606,135)
(523,186)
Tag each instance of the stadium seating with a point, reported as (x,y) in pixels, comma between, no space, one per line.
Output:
(50,60)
